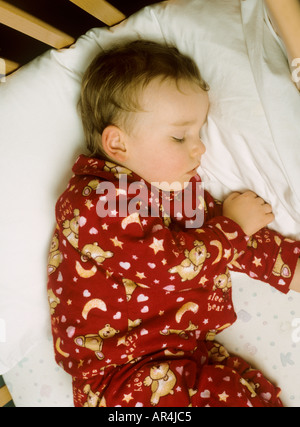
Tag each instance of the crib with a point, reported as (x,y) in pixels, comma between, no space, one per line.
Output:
(252,138)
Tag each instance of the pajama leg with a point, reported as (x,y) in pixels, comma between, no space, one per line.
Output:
(160,383)
(231,382)
(211,377)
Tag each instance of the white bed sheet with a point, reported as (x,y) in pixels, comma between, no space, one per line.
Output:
(254,107)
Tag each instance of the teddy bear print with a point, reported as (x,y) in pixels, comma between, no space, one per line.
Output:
(223,282)
(53,301)
(191,266)
(280,268)
(218,353)
(130,287)
(92,185)
(162,381)
(94,342)
(182,333)
(93,399)
(93,251)
(71,228)
(250,386)
(116,169)
(55,256)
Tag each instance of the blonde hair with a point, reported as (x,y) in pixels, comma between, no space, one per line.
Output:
(112,83)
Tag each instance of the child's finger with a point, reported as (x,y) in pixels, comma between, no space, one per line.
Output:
(268,208)
(233,196)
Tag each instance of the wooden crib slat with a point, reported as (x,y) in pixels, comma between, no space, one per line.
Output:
(7,66)
(5,397)
(26,23)
(102,10)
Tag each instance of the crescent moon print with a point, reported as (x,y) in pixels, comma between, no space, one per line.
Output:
(93,303)
(85,274)
(133,218)
(60,351)
(230,236)
(189,306)
(220,248)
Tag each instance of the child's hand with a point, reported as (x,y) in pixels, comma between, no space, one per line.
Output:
(248,210)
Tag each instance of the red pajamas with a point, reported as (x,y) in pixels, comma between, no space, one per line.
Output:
(136,300)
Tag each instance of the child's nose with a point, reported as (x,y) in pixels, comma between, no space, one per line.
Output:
(198,149)
(202,147)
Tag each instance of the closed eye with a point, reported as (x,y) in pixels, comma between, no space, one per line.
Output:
(178,139)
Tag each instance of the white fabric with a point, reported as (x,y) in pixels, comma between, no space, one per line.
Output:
(252,140)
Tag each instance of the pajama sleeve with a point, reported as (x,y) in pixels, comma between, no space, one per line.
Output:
(268,256)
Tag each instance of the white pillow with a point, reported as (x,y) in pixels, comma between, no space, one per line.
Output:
(41,135)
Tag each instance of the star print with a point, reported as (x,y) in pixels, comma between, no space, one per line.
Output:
(127,397)
(257,261)
(203,280)
(108,274)
(89,204)
(122,340)
(223,397)
(104,226)
(117,242)
(157,245)
(140,275)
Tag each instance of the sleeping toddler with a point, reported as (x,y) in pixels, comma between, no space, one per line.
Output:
(139,267)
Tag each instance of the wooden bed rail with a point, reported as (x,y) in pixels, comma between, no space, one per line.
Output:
(22,21)
(102,10)
(26,23)
(30,27)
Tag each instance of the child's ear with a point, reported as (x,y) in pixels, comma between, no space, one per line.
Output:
(113,143)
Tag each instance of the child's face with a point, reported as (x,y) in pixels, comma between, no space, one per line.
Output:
(164,145)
